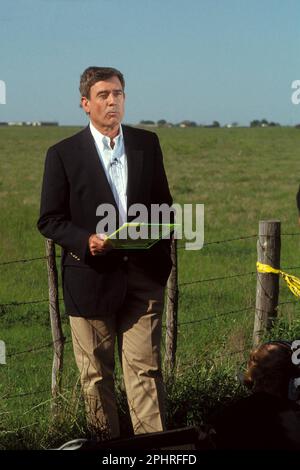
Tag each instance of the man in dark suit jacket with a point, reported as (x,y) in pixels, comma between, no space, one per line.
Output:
(109,294)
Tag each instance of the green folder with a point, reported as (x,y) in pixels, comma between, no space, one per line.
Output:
(139,235)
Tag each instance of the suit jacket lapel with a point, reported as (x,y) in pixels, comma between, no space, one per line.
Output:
(97,176)
(134,166)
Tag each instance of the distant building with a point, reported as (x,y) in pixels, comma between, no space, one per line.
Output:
(48,123)
(187,123)
(147,123)
(31,123)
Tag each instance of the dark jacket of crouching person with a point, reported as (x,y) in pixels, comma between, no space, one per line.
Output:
(270,417)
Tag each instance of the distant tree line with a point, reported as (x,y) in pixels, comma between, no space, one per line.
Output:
(187,123)
(263,123)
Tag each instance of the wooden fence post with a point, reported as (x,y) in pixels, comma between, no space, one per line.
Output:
(171,312)
(57,333)
(267,287)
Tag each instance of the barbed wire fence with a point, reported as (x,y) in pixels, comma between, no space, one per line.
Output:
(173,289)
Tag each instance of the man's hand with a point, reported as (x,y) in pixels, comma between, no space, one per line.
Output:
(99,245)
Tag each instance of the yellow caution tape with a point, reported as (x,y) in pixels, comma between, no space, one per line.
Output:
(293,282)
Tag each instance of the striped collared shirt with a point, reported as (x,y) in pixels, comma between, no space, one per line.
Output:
(114,162)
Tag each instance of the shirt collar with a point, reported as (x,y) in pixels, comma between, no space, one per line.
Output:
(102,141)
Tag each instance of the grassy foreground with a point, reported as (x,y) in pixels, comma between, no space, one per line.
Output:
(242,176)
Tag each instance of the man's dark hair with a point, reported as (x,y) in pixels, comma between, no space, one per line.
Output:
(92,75)
(270,368)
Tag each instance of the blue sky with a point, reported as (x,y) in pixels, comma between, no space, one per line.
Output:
(203,60)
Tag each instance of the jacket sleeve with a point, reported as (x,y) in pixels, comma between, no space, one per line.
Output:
(55,218)
(160,194)
(160,188)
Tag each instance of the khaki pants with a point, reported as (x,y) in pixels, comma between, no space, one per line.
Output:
(137,327)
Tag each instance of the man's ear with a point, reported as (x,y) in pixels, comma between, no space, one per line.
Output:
(85,104)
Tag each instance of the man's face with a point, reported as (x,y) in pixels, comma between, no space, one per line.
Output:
(105,104)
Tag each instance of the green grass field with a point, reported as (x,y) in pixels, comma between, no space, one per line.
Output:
(242,176)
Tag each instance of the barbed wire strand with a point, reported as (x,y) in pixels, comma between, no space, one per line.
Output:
(216,279)
(229,277)
(237,239)
(39,348)
(217,315)
(17,304)
(24,394)
(27,260)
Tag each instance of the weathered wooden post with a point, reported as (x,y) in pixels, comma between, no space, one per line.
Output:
(267,288)
(171,312)
(57,333)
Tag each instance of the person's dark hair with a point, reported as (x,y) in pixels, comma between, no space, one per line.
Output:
(92,75)
(270,368)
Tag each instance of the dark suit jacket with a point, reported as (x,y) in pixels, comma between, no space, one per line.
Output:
(260,421)
(74,185)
